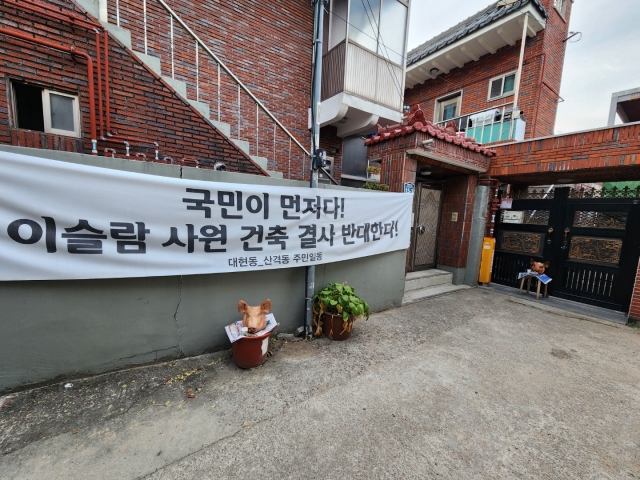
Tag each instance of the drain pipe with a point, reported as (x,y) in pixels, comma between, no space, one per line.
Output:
(71,49)
(315,152)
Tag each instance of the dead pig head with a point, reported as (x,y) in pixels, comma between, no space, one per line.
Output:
(538,267)
(254,317)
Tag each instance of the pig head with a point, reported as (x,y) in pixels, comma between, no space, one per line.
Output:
(254,317)
(538,267)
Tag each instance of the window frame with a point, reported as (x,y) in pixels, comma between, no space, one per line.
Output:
(502,94)
(444,101)
(46,112)
(562,9)
(46,109)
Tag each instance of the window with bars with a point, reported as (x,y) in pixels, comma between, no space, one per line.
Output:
(561,6)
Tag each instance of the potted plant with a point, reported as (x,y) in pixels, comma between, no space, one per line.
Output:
(374,173)
(335,308)
(382,187)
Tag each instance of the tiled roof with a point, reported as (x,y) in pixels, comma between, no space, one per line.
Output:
(481,19)
(416,122)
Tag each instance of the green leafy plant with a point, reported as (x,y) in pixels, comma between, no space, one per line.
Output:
(376,186)
(338,299)
(373,169)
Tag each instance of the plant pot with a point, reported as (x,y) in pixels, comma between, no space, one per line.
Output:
(334,327)
(374,176)
(249,351)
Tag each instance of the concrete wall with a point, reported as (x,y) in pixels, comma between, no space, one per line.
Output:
(62,329)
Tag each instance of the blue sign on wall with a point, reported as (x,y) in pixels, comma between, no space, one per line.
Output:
(409,187)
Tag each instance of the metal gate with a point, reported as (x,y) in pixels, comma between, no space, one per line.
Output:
(590,237)
(424,240)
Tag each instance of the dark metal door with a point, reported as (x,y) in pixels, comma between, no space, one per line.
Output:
(592,243)
(424,243)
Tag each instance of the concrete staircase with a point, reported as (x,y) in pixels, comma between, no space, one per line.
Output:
(180,87)
(428,283)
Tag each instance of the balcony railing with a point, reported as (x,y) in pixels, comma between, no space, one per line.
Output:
(489,126)
(352,69)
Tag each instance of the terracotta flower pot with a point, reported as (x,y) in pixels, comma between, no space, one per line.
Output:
(334,326)
(249,352)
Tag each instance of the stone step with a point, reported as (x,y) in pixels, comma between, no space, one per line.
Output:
(150,61)
(262,161)
(430,292)
(91,6)
(202,107)
(223,127)
(241,144)
(274,174)
(122,34)
(426,278)
(178,85)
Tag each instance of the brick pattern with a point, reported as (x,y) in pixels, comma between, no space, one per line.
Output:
(31,139)
(398,169)
(599,155)
(267,45)
(453,237)
(541,78)
(634,311)
(329,140)
(142,105)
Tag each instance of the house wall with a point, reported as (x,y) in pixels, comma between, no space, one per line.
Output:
(538,89)
(267,45)
(142,105)
(606,154)
(65,329)
(329,141)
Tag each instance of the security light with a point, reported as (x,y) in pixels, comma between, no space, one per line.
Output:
(425,171)
(434,71)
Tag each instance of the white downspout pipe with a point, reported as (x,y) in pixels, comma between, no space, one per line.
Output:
(515,115)
(103,14)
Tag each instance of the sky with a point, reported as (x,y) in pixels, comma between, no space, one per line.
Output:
(606,60)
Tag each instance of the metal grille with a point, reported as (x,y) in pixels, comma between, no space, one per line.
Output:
(425,253)
(610,220)
(534,194)
(536,217)
(589,281)
(521,242)
(597,250)
(614,192)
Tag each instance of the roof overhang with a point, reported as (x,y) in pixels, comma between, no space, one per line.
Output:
(353,115)
(504,31)
(448,163)
(627,105)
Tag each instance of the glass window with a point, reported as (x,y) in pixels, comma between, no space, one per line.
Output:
(364,17)
(393,24)
(62,112)
(380,26)
(338,22)
(501,86)
(448,107)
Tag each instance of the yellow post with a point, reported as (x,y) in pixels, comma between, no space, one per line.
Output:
(486,262)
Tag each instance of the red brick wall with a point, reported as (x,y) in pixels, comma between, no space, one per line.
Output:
(634,311)
(329,140)
(267,45)
(141,105)
(544,50)
(453,237)
(599,154)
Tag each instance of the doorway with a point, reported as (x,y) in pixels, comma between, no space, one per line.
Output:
(424,238)
(592,242)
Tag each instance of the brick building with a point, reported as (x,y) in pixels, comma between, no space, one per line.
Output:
(481,128)
(201,83)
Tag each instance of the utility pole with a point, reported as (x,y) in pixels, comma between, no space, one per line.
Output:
(318,157)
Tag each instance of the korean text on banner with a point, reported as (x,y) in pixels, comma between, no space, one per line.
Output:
(61,220)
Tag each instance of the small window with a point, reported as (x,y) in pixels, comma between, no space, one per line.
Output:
(561,6)
(502,86)
(448,107)
(45,110)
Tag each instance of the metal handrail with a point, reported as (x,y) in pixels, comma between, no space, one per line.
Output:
(444,122)
(230,73)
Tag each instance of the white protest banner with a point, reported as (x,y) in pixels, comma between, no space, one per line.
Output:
(61,220)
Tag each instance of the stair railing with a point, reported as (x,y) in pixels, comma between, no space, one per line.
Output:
(241,87)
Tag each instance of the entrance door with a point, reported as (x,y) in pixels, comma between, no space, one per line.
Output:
(592,243)
(424,243)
